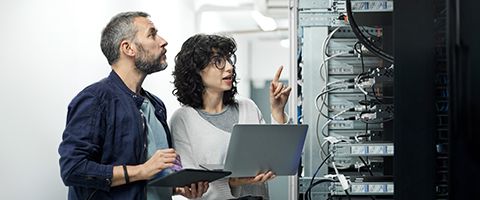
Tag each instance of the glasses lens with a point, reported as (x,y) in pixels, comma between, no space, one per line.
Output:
(219,62)
(233,59)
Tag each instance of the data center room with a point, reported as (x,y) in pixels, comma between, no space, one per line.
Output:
(387,87)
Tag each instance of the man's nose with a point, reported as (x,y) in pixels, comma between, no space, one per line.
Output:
(163,42)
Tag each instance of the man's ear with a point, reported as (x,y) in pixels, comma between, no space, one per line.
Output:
(127,48)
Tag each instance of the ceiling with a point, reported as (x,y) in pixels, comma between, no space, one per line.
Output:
(238,15)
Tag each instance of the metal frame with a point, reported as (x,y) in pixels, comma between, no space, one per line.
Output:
(293,13)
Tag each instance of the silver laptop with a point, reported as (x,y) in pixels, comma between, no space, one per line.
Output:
(258,148)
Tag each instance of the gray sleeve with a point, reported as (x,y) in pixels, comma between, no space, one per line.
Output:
(252,190)
(181,141)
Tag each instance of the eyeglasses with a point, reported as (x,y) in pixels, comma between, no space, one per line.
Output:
(221,61)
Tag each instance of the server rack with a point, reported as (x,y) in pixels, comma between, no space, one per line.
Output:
(436,48)
(346,95)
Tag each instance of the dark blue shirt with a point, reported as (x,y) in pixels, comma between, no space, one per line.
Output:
(104,129)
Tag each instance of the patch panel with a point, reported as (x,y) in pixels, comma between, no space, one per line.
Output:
(375,134)
(340,102)
(352,124)
(366,6)
(362,149)
(365,188)
(318,192)
(339,5)
(314,4)
(319,19)
(351,65)
(355,161)
(341,45)
(379,87)
(356,188)
(346,32)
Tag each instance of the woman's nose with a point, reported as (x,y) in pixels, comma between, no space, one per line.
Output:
(228,66)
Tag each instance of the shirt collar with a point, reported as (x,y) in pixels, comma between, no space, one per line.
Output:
(138,99)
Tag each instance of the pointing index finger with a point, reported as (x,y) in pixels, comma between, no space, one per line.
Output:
(277,74)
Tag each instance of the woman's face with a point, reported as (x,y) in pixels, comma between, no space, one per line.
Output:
(217,76)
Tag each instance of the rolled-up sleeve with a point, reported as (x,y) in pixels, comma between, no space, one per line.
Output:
(80,149)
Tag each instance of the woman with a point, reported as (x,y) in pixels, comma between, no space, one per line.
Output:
(205,83)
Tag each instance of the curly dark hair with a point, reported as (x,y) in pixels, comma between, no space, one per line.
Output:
(193,57)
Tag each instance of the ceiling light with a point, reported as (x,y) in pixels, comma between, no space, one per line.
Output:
(285,43)
(265,23)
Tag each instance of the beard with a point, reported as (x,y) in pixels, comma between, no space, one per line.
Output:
(148,64)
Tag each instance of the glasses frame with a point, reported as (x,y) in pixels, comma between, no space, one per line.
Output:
(221,61)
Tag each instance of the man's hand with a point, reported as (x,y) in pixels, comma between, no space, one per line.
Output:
(195,190)
(161,160)
(278,97)
(260,178)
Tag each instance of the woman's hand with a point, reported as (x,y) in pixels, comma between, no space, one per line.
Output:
(193,191)
(278,97)
(260,178)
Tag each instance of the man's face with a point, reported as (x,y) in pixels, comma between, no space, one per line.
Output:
(151,52)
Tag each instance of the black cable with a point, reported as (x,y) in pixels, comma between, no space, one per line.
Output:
(360,52)
(333,89)
(366,165)
(348,195)
(308,192)
(366,106)
(363,72)
(315,174)
(364,40)
(323,102)
(318,169)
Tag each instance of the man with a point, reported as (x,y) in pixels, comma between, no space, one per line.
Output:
(114,127)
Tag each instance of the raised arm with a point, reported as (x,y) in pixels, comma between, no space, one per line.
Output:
(279,94)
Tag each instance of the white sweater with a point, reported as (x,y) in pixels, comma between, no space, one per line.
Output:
(197,141)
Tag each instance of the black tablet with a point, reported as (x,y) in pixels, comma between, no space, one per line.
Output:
(185,177)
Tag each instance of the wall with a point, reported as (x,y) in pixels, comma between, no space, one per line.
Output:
(259,55)
(49,52)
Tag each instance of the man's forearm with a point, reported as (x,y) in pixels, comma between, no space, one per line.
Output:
(134,174)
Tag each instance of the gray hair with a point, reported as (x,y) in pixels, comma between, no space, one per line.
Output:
(119,28)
